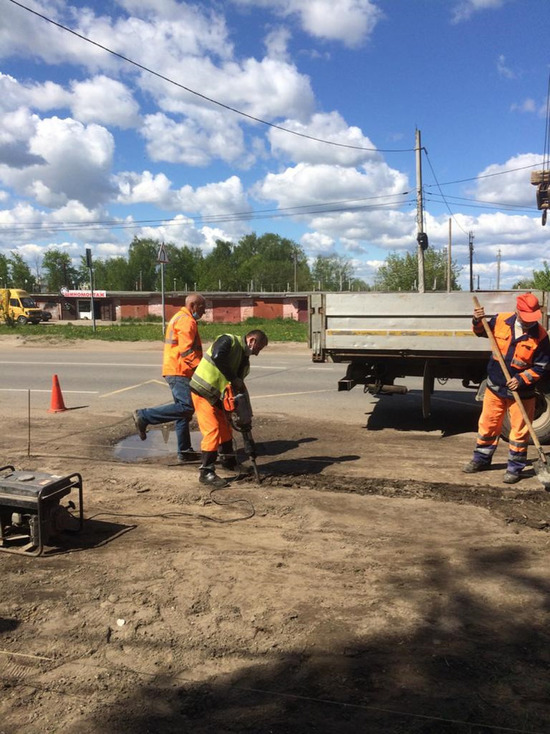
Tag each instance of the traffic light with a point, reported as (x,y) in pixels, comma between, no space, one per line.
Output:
(422,239)
(88,257)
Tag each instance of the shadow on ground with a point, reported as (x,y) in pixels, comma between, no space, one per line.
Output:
(465,667)
(452,413)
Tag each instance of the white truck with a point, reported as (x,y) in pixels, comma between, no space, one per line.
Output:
(385,336)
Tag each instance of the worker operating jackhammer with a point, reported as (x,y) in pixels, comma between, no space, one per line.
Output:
(227,362)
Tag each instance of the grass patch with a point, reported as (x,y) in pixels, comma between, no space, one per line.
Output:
(278,330)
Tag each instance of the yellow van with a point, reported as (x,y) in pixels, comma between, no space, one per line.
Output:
(19,306)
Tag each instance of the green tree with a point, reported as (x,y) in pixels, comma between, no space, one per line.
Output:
(142,263)
(182,268)
(271,262)
(4,271)
(400,272)
(335,273)
(20,275)
(540,280)
(59,270)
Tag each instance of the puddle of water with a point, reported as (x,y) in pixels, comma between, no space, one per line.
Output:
(160,442)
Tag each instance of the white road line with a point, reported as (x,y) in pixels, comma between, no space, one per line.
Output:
(29,362)
(32,389)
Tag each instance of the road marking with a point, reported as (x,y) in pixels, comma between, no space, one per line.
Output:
(133,387)
(29,363)
(32,389)
(288,394)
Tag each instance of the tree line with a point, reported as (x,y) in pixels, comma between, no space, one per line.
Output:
(265,262)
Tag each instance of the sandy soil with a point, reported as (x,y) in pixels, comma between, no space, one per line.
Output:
(343,594)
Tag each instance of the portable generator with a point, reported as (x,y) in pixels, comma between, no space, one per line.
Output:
(31,515)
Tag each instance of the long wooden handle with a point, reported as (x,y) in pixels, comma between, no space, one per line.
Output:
(498,356)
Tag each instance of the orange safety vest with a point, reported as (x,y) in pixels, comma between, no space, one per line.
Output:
(182,345)
(527,357)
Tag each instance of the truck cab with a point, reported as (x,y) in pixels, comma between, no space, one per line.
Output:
(21,306)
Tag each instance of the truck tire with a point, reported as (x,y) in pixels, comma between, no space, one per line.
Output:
(22,319)
(541,423)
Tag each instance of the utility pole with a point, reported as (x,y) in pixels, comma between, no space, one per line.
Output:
(498,270)
(89,263)
(419,213)
(449,259)
(471,251)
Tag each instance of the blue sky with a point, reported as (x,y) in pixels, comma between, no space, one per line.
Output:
(91,146)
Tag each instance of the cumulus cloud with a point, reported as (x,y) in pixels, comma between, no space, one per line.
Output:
(105,101)
(508,183)
(77,163)
(348,21)
(191,143)
(145,188)
(324,126)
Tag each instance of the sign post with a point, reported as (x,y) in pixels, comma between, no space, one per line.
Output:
(162,259)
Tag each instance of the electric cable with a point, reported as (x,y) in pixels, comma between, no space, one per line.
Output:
(204,96)
(441,192)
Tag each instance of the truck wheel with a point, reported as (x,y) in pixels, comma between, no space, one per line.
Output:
(22,319)
(541,422)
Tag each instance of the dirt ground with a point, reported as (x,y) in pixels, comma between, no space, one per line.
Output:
(361,587)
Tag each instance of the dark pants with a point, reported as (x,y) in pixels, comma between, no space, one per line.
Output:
(180,411)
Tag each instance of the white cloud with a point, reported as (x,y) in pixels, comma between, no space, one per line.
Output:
(503,69)
(316,243)
(325,126)
(466,8)
(76,163)
(348,21)
(508,183)
(276,43)
(105,101)
(145,188)
(192,143)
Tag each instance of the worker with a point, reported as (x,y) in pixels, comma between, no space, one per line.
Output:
(182,354)
(225,363)
(525,348)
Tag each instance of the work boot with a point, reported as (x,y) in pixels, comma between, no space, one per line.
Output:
(227,456)
(474,466)
(141,425)
(188,457)
(511,477)
(207,474)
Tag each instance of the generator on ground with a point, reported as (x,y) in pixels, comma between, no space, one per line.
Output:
(31,513)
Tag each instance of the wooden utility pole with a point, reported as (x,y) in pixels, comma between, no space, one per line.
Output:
(419,212)
(498,270)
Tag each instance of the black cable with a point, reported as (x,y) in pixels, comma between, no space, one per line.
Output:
(204,96)
(441,192)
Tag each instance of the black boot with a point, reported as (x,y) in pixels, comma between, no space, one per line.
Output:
(207,474)
(227,456)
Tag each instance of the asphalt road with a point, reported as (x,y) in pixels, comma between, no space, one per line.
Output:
(282,381)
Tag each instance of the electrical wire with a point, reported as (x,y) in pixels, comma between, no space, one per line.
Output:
(204,96)
(441,192)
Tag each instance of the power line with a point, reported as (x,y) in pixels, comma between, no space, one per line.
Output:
(303,210)
(204,96)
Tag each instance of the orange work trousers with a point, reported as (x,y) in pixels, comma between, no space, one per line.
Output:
(490,426)
(213,423)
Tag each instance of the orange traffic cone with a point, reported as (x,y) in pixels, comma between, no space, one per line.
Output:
(57,405)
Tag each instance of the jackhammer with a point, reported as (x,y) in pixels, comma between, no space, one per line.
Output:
(240,414)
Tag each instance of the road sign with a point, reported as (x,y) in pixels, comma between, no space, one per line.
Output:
(162,257)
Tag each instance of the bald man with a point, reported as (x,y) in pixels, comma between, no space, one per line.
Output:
(182,354)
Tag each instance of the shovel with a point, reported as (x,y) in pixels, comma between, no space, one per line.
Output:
(541,467)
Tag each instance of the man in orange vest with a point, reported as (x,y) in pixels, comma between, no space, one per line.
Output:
(182,354)
(525,348)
